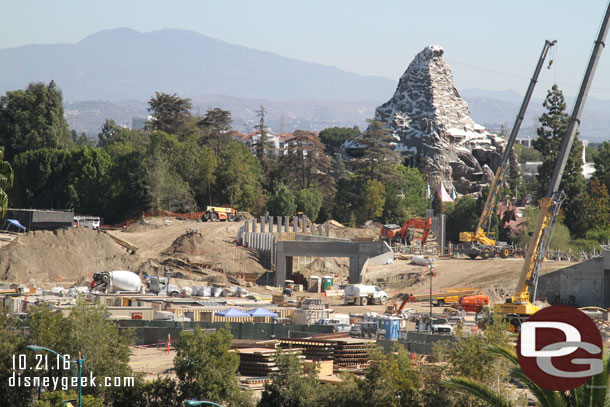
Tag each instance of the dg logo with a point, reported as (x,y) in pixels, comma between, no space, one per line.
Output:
(560,348)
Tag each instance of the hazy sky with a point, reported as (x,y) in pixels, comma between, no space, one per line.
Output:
(489,44)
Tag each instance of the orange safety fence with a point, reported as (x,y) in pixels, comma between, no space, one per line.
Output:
(157,213)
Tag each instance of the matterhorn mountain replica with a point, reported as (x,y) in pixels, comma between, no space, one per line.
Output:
(432,126)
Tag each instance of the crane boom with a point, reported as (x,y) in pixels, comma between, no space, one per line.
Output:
(479,239)
(520,302)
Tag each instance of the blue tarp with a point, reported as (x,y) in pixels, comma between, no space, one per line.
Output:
(261,312)
(15,222)
(232,312)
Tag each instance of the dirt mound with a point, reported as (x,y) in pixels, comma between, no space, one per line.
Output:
(147,224)
(67,254)
(188,243)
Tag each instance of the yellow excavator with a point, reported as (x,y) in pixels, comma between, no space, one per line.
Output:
(519,307)
(480,243)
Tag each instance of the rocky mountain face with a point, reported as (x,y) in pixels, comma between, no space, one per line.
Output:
(432,126)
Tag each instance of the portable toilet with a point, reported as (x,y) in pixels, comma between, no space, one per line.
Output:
(392,327)
(327,283)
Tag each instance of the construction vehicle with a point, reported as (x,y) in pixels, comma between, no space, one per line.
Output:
(363,294)
(436,325)
(161,286)
(131,248)
(118,281)
(220,213)
(519,307)
(480,243)
(393,233)
(472,303)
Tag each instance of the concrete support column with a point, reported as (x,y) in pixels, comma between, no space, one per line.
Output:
(270,219)
(312,228)
(262,224)
(253,225)
(279,224)
(304,220)
(286,223)
(327,227)
(295,224)
(320,230)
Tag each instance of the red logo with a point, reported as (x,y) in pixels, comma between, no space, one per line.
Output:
(560,348)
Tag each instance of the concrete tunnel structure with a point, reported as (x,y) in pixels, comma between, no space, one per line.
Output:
(359,253)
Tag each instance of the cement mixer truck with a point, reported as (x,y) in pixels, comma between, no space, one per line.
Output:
(118,281)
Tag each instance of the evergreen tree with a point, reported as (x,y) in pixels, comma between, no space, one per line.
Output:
(282,202)
(378,158)
(553,126)
(305,165)
(263,146)
(33,118)
(216,126)
(601,160)
(170,113)
(6,182)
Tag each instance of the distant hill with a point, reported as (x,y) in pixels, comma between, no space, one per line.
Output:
(123,64)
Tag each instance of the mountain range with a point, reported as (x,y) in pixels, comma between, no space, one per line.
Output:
(113,73)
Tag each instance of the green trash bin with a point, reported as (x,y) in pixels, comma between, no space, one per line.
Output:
(327,282)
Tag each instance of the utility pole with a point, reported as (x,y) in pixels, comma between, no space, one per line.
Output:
(431,274)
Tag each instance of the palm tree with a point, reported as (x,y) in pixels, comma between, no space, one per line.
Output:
(594,393)
(6,181)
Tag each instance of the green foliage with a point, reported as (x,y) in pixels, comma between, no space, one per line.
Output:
(378,158)
(461,217)
(309,201)
(601,160)
(334,137)
(553,126)
(560,240)
(216,126)
(6,181)
(56,399)
(11,343)
(170,114)
(374,199)
(291,386)
(207,370)
(526,154)
(32,119)
(282,202)
(238,177)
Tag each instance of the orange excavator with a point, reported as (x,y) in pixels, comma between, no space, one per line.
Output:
(394,233)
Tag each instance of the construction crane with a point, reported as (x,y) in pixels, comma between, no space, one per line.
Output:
(519,307)
(479,242)
(395,233)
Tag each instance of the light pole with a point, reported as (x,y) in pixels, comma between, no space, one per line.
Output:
(431,274)
(194,403)
(79,364)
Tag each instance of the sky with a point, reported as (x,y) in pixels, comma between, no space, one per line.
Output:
(489,44)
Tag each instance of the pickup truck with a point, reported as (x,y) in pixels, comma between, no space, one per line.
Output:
(337,324)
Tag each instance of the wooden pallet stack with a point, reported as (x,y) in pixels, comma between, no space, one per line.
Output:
(261,362)
(350,355)
(344,352)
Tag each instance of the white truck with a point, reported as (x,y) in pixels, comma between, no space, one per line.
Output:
(162,286)
(363,294)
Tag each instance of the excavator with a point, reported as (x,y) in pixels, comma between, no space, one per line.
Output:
(519,306)
(394,233)
(480,243)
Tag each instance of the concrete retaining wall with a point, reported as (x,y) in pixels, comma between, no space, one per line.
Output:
(584,284)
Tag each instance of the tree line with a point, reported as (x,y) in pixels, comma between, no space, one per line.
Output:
(183,162)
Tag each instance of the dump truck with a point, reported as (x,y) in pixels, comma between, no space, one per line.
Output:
(363,294)
(220,213)
(117,281)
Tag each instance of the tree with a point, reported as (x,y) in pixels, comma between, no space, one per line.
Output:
(170,113)
(291,386)
(305,165)
(56,399)
(334,137)
(12,343)
(461,217)
(591,394)
(217,125)
(597,211)
(239,177)
(263,146)
(309,201)
(553,126)
(33,119)
(206,369)
(282,202)
(378,157)
(374,199)
(601,160)
(6,182)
